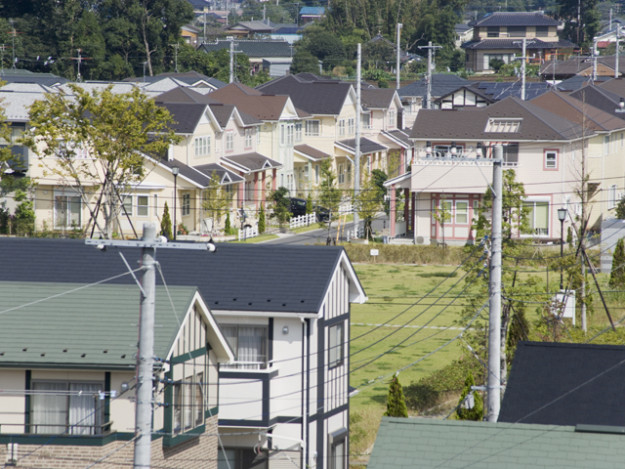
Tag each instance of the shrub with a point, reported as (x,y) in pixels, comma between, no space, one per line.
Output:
(395,401)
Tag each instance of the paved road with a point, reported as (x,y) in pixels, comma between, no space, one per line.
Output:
(310,237)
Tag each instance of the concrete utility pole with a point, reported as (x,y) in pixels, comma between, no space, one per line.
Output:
(428,97)
(523,59)
(594,60)
(231,59)
(399,26)
(494,287)
(357,138)
(616,53)
(145,355)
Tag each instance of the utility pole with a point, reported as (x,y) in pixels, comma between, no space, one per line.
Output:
(428,97)
(494,287)
(231,59)
(616,61)
(78,62)
(594,60)
(145,354)
(175,46)
(357,138)
(523,53)
(399,26)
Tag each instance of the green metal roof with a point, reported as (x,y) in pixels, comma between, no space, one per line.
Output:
(428,443)
(71,325)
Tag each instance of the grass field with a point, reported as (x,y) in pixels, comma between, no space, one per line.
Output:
(411,312)
(409,325)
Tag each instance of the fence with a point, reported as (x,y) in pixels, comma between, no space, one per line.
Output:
(248,232)
(303,220)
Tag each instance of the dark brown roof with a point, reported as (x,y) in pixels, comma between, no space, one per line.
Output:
(311,152)
(250,162)
(615,85)
(577,111)
(377,98)
(223,113)
(470,124)
(252,101)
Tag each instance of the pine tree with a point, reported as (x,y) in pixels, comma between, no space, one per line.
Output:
(309,204)
(470,408)
(617,275)
(227,224)
(166,223)
(395,401)
(261,219)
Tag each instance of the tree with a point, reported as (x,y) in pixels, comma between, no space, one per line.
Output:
(166,223)
(617,274)
(304,61)
(442,214)
(395,400)
(216,200)
(620,209)
(309,204)
(261,219)
(369,203)
(329,194)
(581,21)
(281,205)
(471,404)
(99,139)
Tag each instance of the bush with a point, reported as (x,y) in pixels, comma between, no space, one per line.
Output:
(430,390)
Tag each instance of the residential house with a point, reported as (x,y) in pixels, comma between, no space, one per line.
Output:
(216,133)
(331,128)
(67,373)
(275,57)
(403,443)
(282,129)
(284,400)
(452,167)
(565,384)
(585,66)
(250,29)
(310,14)
(163,82)
(414,95)
(499,36)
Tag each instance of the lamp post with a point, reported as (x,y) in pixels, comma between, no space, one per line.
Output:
(175,170)
(561,217)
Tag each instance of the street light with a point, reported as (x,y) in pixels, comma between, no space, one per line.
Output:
(175,170)
(561,217)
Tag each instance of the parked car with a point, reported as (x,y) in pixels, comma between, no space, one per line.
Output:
(298,208)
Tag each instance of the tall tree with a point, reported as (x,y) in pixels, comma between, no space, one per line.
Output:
(216,200)
(329,193)
(369,203)
(581,21)
(395,400)
(99,139)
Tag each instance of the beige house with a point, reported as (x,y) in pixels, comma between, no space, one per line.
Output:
(68,376)
(452,167)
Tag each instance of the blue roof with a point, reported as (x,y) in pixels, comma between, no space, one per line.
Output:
(312,11)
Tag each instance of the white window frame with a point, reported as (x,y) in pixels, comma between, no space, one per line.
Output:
(551,159)
(336,345)
(143,209)
(612,197)
(233,334)
(341,127)
(229,141)
(298,131)
(313,128)
(249,134)
(185,205)
(532,204)
(69,199)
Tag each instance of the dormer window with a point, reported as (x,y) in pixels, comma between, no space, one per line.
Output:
(503,125)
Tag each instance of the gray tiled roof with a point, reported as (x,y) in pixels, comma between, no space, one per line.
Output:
(366,146)
(442,84)
(189,78)
(236,277)
(225,175)
(65,324)
(253,49)
(317,97)
(183,94)
(186,115)
(10,75)
(251,162)
(191,174)
(406,443)
(501,18)
(514,44)
(566,384)
(599,98)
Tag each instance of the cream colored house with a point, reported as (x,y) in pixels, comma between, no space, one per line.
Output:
(452,167)
(67,371)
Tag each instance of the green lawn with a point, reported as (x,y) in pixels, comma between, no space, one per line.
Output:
(411,312)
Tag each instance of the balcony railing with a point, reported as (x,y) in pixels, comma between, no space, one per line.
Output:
(53,429)
(446,158)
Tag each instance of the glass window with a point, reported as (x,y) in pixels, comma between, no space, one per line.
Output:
(462,212)
(67,211)
(350,126)
(142,205)
(298,132)
(542,31)
(317,169)
(72,408)
(366,120)
(229,140)
(202,146)
(539,217)
(551,159)
(492,31)
(186,204)
(516,31)
(341,173)
(391,118)
(249,133)
(336,342)
(312,128)
(338,454)
(188,405)
(612,197)
(341,126)
(249,344)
